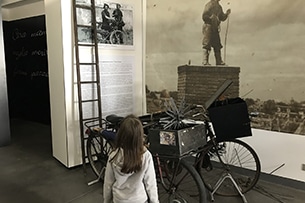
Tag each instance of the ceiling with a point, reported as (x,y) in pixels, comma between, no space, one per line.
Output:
(16,3)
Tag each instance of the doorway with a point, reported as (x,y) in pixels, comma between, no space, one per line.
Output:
(27,69)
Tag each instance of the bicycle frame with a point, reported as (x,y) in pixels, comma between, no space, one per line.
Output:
(160,173)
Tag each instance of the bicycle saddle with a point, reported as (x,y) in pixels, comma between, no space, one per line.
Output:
(115,119)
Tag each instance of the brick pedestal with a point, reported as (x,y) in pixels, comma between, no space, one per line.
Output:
(198,83)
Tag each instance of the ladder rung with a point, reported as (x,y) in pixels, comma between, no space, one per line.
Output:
(84,26)
(86,45)
(83,6)
(89,100)
(87,63)
(89,82)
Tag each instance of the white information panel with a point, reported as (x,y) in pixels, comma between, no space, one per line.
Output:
(117,84)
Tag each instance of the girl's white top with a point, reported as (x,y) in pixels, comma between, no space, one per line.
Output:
(137,187)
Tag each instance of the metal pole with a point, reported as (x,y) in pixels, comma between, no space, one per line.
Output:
(226,36)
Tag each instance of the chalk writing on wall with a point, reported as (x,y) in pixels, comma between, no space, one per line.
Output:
(27,68)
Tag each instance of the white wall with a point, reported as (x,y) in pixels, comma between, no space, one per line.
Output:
(56,62)
(275,149)
(137,52)
(62,77)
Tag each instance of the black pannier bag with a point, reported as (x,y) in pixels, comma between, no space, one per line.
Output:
(230,119)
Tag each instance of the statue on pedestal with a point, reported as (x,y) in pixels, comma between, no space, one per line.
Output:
(212,16)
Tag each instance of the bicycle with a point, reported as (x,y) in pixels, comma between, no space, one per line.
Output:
(213,162)
(112,36)
(178,181)
(227,167)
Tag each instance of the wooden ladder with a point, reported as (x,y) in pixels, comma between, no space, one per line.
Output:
(87,67)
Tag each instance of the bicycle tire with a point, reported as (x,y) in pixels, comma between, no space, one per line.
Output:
(97,152)
(186,187)
(117,37)
(240,161)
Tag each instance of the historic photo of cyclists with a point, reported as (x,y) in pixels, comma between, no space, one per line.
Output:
(114,23)
(264,38)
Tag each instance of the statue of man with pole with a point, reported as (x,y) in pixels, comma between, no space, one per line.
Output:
(212,16)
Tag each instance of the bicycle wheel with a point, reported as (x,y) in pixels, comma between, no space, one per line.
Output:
(235,158)
(103,36)
(97,151)
(185,186)
(117,37)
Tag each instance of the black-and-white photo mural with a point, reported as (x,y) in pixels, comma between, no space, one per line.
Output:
(263,38)
(114,22)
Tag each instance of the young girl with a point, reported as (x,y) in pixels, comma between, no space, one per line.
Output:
(130,174)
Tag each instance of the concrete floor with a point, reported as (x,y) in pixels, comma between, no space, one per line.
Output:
(29,174)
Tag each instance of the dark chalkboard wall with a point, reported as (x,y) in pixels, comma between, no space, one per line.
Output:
(27,68)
